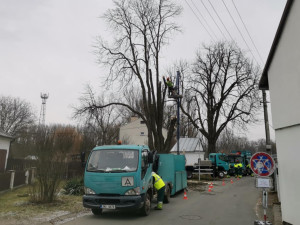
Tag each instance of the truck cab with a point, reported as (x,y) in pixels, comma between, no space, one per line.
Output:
(220,162)
(118,177)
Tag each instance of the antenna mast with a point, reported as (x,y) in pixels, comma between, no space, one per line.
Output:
(44,98)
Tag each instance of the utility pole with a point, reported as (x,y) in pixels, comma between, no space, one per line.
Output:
(178,110)
(268,141)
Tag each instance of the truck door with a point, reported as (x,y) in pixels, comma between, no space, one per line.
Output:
(146,168)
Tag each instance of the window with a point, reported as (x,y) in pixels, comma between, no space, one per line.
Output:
(142,122)
(142,133)
(117,160)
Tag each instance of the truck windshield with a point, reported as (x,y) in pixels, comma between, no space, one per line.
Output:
(113,161)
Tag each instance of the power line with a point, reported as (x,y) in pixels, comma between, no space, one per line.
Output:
(204,19)
(213,19)
(199,20)
(247,31)
(220,20)
(239,31)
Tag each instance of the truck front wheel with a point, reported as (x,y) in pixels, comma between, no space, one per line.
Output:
(97,212)
(145,210)
(221,174)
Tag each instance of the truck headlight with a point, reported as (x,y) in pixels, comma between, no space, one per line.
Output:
(89,191)
(133,191)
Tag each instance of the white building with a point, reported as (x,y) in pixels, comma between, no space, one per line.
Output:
(136,132)
(191,148)
(281,76)
(5,140)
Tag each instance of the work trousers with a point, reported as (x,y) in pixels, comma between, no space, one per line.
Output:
(161,194)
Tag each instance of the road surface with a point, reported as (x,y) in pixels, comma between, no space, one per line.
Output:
(232,204)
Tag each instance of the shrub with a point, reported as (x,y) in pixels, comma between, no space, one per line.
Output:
(74,187)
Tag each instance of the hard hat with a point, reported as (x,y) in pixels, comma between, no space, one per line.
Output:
(119,142)
(168,78)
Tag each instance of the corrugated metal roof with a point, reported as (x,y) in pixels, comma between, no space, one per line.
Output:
(187,145)
(2,134)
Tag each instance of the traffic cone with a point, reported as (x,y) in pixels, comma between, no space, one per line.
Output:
(184,195)
(211,185)
(209,189)
(223,183)
(238,178)
(231,181)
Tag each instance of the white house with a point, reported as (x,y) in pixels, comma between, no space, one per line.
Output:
(281,76)
(5,140)
(136,132)
(191,148)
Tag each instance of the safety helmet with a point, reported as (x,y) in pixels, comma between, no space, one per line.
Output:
(168,78)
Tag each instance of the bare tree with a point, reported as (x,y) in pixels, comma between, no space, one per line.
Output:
(100,124)
(141,28)
(15,115)
(223,86)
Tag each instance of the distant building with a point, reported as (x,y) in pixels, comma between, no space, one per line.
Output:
(5,140)
(135,132)
(281,76)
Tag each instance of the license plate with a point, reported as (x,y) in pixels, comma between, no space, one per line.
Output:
(107,206)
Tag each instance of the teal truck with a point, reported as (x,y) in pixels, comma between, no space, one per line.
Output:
(243,157)
(119,177)
(217,163)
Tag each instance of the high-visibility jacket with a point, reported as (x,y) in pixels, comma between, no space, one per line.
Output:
(248,166)
(169,83)
(237,165)
(158,182)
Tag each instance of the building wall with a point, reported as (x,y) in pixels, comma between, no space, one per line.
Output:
(136,133)
(284,73)
(284,86)
(4,145)
(288,152)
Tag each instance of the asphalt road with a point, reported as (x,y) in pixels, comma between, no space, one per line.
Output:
(232,204)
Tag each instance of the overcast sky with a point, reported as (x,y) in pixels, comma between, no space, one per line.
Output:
(46,46)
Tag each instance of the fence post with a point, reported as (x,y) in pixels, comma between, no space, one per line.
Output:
(26,176)
(32,174)
(12,179)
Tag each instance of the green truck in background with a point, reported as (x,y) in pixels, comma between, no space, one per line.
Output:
(119,177)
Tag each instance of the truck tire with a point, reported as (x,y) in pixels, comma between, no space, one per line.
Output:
(167,194)
(221,174)
(96,211)
(189,174)
(145,210)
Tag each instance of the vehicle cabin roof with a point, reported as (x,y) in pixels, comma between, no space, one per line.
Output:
(129,147)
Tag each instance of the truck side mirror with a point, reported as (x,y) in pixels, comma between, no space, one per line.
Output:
(150,157)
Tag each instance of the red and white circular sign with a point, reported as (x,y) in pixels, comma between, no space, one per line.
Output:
(262,164)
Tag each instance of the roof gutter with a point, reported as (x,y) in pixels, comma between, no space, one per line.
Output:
(264,81)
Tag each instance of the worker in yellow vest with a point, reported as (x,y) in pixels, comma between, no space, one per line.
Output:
(159,185)
(238,169)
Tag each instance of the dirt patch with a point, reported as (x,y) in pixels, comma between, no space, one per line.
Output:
(197,186)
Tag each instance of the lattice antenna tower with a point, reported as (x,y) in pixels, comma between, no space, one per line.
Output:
(44,98)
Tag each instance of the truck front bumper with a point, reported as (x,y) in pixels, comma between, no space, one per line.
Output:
(120,202)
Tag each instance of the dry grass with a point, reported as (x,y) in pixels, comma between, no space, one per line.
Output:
(16,205)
